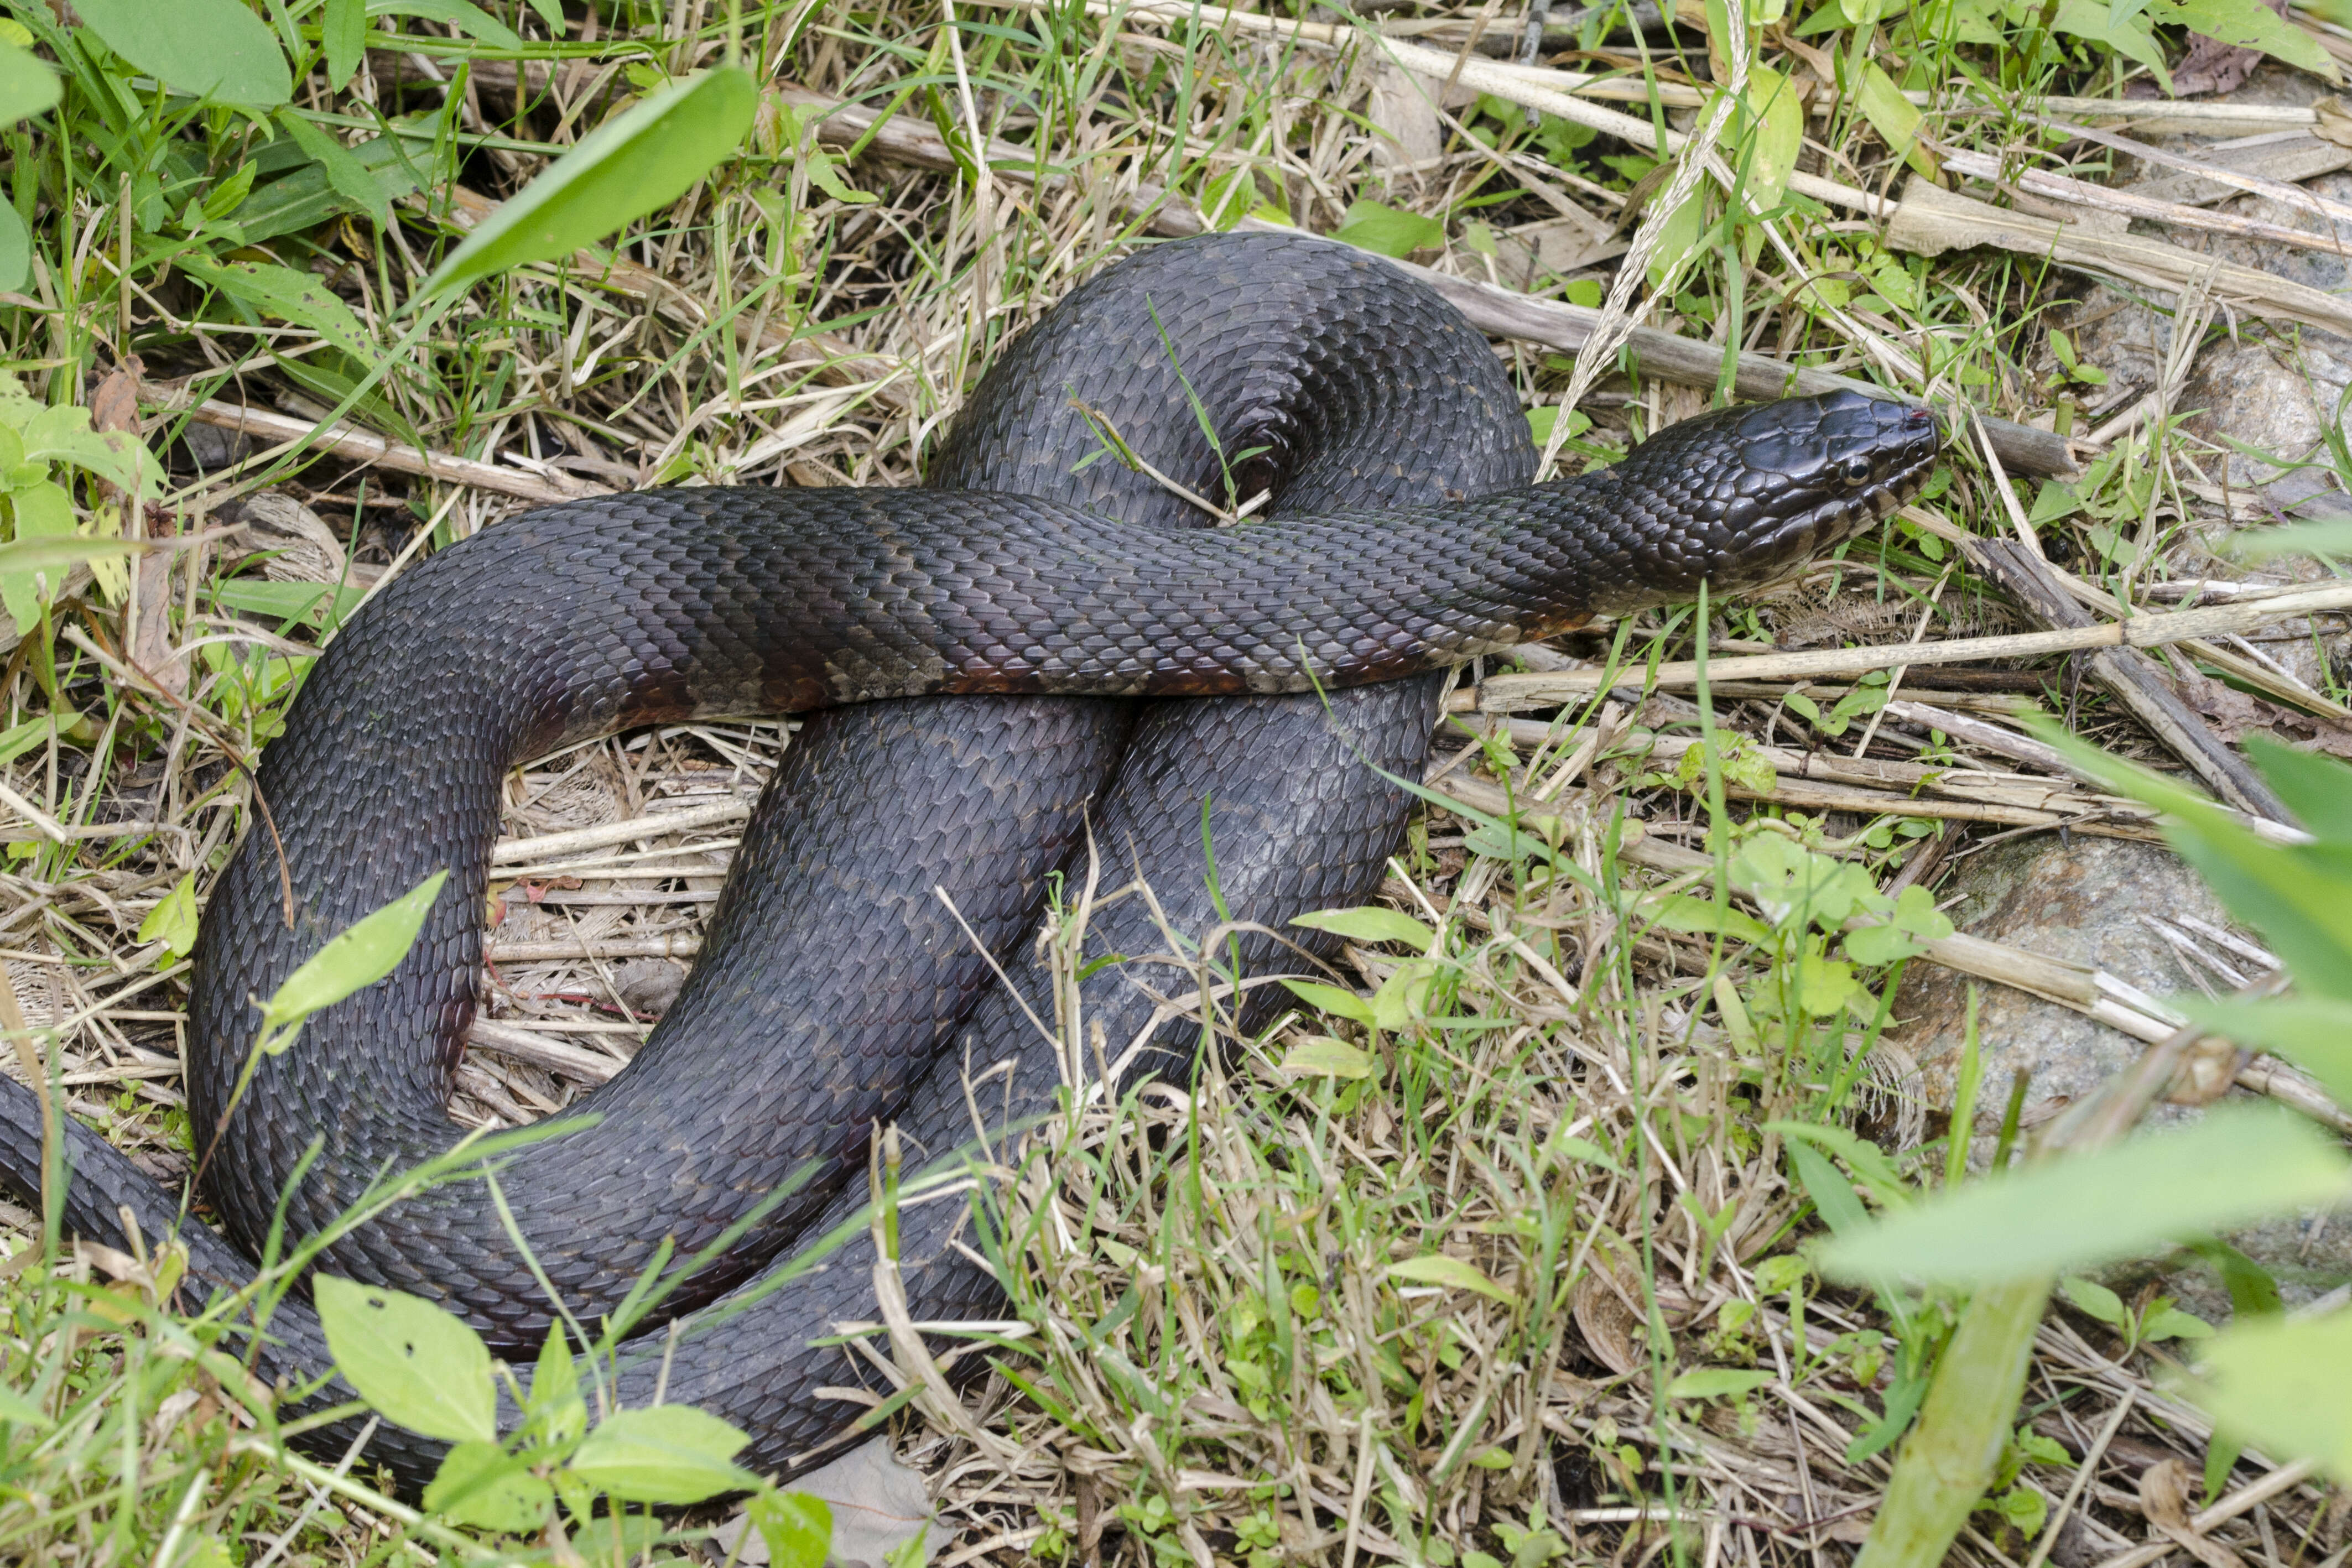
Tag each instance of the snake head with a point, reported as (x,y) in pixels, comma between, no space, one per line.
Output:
(1745,494)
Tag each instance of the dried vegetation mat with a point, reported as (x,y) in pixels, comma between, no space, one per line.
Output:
(1495,1248)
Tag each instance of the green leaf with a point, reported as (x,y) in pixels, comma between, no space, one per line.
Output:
(319,603)
(346,174)
(1840,1206)
(482,1484)
(364,952)
(2316,788)
(1320,1056)
(2095,1300)
(1385,230)
(2237,1164)
(306,196)
(2248,24)
(2095,20)
(2332,536)
(1776,137)
(1371,924)
(46,555)
(1687,912)
(460,13)
(214,49)
(344,33)
(1716,1382)
(2166,1320)
(415,1364)
(665,1454)
(555,1406)
(1895,118)
(16,251)
(1403,994)
(2298,895)
(173,921)
(15,1407)
(641,160)
(2280,1383)
(1453,1274)
(1332,999)
(27,85)
(301,297)
(796,1526)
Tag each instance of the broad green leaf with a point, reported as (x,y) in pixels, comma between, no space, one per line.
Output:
(1687,912)
(2095,1299)
(482,1484)
(639,161)
(1320,1056)
(357,957)
(1453,1274)
(2165,1321)
(1371,923)
(1385,230)
(2298,895)
(301,297)
(2248,24)
(1778,127)
(1403,994)
(2316,788)
(1895,118)
(1679,234)
(1332,999)
(796,1527)
(16,251)
(344,33)
(15,1407)
(665,1454)
(1866,1159)
(2279,1383)
(306,196)
(2241,1163)
(1716,1382)
(62,434)
(1839,1204)
(346,176)
(2313,1033)
(418,1366)
(555,1404)
(2332,536)
(2130,37)
(173,921)
(461,15)
(318,603)
(44,552)
(27,85)
(213,49)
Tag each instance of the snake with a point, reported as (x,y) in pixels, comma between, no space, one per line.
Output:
(1058,661)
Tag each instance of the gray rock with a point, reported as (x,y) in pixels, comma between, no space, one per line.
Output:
(648,985)
(2088,901)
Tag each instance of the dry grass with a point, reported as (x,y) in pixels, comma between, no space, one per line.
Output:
(1578,1113)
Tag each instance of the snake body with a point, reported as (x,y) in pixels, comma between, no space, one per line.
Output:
(951,644)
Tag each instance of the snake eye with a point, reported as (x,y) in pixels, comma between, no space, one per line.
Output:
(1855,469)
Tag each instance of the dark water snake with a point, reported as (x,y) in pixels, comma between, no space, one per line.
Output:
(955,648)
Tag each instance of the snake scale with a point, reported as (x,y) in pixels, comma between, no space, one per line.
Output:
(960,651)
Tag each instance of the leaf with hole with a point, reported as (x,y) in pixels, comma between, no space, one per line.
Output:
(2241,1163)
(214,49)
(482,1484)
(638,162)
(418,1366)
